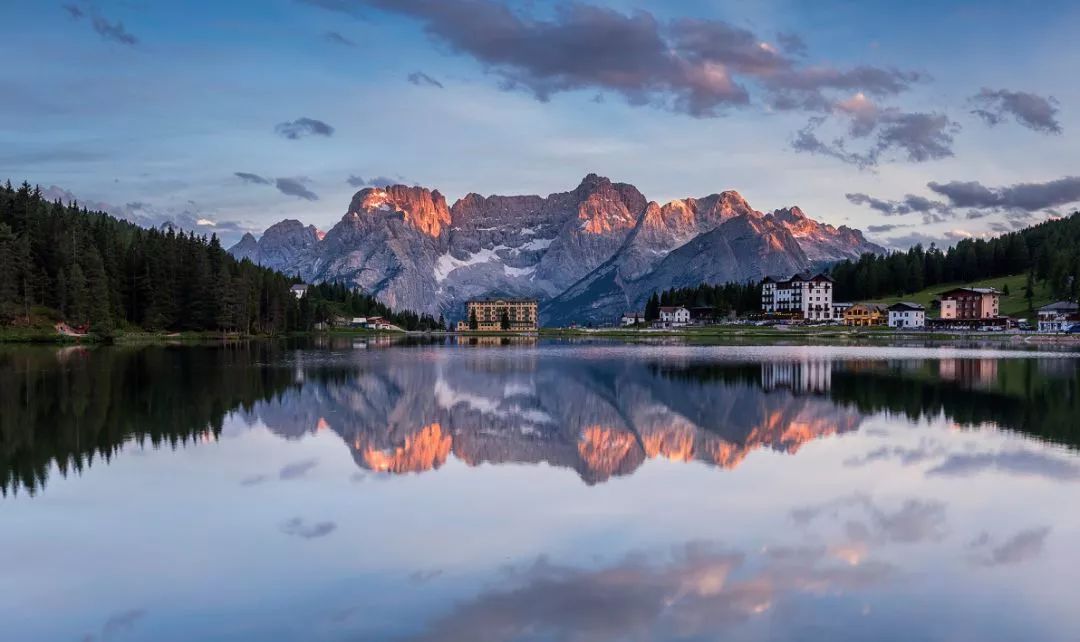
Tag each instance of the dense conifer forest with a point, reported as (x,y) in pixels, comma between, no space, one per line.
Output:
(740,298)
(1049,252)
(96,271)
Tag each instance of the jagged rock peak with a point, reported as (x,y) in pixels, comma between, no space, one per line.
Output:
(793,212)
(423,209)
(291,226)
(592,182)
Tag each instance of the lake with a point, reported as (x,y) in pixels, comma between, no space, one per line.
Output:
(533,490)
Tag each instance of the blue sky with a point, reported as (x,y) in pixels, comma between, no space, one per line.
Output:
(151,108)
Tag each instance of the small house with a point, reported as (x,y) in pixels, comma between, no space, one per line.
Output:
(866,314)
(907,315)
(672,316)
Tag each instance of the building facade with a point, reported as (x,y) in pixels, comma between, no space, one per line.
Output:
(1059,316)
(674,316)
(632,318)
(907,315)
(968,304)
(839,308)
(489,314)
(866,314)
(299,290)
(802,296)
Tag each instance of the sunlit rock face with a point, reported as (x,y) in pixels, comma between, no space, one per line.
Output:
(822,242)
(421,209)
(588,254)
(600,420)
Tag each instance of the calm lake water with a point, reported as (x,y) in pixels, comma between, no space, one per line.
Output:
(577,492)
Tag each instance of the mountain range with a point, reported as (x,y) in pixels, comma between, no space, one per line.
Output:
(588,254)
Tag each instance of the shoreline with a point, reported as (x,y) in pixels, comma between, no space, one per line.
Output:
(48,336)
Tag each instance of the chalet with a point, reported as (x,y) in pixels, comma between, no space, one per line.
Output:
(1059,316)
(631,318)
(674,316)
(379,323)
(802,296)
(866,314)
(299,290)
(970,304)
(907,315)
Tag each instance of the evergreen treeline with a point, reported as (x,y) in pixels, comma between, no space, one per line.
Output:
(1049,252)
(740,298)
(325,301)
(97,271)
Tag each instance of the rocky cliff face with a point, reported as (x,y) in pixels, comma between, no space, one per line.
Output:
(387,244)
(288,246)
(822,242)
(588,254)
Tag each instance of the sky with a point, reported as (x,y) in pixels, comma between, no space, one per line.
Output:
(914,121)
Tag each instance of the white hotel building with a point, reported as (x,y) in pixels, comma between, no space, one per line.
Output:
(801,296)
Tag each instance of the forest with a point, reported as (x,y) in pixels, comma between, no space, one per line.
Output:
(724,299)
(1049,251)
(107,275)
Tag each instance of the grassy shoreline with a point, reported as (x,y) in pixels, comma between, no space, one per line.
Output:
(43,335)
(48,335)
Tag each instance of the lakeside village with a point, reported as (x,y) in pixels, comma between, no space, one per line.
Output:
(807,300)
(802,300)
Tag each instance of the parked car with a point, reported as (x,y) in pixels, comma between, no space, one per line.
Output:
(1073,329)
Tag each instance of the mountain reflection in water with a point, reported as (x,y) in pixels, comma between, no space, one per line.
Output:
(600,412)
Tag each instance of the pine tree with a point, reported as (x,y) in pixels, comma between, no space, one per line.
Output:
(78,306)
(652,308)
(97,287)
(9,289)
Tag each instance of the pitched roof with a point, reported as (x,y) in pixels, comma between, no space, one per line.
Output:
(870,306)
(906,305)
(974,290)
(1060,306)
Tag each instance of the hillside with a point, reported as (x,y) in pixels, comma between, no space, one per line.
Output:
(1014,304)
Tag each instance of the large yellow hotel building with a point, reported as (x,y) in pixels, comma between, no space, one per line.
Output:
(489,315)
